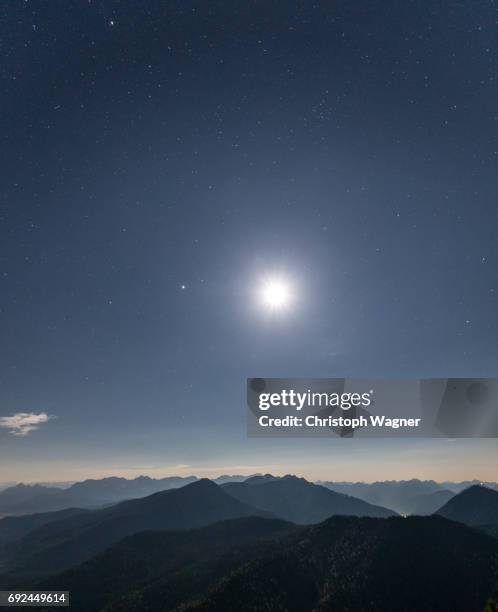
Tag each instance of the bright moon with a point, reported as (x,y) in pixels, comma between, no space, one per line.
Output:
(276,294)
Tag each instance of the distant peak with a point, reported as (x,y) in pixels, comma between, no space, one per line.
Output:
(260,478)
(203,483)
(477,489)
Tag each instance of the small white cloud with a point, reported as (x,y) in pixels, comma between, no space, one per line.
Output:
(23,423)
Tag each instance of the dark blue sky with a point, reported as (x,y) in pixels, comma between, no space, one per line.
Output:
(351,146)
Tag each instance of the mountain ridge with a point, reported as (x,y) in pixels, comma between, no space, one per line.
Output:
(297,500)
(341,564)
(476,506)
(63,543)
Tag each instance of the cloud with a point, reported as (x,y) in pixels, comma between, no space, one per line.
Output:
(23,423)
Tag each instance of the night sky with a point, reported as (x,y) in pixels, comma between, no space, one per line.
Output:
(160,159)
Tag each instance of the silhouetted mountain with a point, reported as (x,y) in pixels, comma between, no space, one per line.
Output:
(404,496)
(458,487)
(63,543)
(341,565)
(24,499)
(365,564)
(194,559)
(475,506)
(297,500)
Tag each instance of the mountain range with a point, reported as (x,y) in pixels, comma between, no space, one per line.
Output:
(404,497)
(342,564)
(55,542)
(147,561)
(61,543)
(275,543)
(419,497)
(26,499)
(297,500)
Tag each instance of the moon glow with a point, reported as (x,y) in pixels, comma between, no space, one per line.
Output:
(276,294)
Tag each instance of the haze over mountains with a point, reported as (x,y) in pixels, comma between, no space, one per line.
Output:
(281,541)
(61,543)
(404,497)
(419,497)
(28,541)
(26,499)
